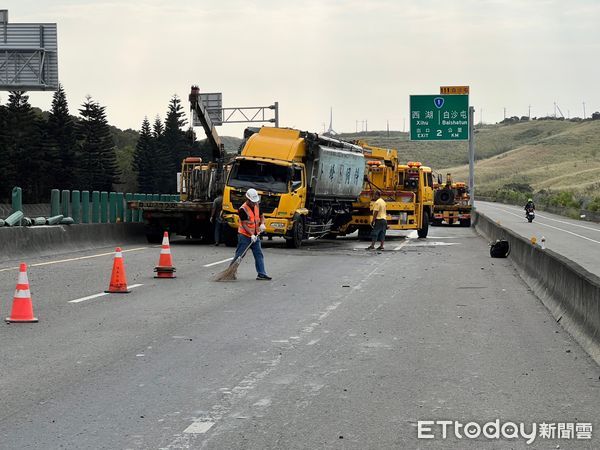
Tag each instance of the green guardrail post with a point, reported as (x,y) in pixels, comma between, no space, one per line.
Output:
(95,207)
(103,207)
(14,219)
(144,198)
(128,211)
(112,207)
(76,206)
(54,202)
(54,220)
(120,207)
(17,202)
(64,202)
(85,206)
(17,199)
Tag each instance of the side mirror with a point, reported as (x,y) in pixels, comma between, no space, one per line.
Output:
(296,185)
(439,178)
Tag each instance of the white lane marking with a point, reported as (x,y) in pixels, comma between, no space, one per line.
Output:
(101,294)
(329,310)
(47,263)
(561,221)
(313,342)
(218,262)
(199,427)
(552,226)
(399,247)
(431,244)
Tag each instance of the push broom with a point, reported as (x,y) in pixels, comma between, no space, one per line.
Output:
(230,273)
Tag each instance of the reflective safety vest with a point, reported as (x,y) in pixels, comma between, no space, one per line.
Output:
(252,223)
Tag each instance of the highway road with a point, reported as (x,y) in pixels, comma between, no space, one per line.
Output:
(576,239)
(344,349)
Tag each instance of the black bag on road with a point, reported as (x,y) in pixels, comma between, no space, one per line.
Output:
(499,249)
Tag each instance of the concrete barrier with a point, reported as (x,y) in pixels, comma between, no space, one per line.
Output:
(571,293)
(24,242)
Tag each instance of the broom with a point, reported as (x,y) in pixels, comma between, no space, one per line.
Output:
(229,274)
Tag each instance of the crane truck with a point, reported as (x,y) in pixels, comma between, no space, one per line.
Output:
(452,203)
(201,182)
(406,188)
(307,182)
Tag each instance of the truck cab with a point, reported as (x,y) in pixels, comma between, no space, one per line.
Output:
(306,182)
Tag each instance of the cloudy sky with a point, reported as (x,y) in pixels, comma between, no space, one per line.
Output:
(363,58)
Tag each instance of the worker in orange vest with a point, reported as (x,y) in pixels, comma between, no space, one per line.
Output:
(252,223)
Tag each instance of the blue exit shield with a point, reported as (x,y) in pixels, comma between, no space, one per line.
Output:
(438,102)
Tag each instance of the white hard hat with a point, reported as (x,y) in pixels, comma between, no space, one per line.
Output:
(252,195)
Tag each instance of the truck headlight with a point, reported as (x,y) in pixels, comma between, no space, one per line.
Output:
(278,225)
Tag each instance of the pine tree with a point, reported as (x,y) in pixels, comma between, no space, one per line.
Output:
(144,162)
(23,148)
(163,173)
(61,144)
(5,163)
(98,161)
(174,141)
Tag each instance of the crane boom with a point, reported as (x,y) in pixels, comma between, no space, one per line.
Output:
(218,149)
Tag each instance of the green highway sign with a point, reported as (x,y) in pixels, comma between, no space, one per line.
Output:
(439,117)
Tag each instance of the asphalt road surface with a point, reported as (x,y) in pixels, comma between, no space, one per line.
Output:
(576,239)
(344,349)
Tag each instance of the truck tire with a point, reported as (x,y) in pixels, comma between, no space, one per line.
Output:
(154,234)
(444,197)
(364,233)
(296,235)
(422,232)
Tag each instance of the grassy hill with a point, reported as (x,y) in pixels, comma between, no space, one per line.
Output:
(546,154)
(561,158)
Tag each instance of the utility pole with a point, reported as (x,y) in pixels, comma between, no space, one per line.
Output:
(388,128)
(584,110)
(472,155)
(366,126)
(555,110)
(505,113)
(529,113)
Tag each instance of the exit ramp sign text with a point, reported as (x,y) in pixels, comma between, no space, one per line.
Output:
(439,117)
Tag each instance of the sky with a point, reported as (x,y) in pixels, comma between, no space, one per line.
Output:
(362,58)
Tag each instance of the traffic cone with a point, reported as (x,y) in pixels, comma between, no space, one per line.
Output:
(165,267)
(22,308)
(118,279)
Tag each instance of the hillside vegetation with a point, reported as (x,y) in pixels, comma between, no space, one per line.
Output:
(530,156)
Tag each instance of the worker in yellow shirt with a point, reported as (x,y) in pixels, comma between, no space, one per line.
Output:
(379,223)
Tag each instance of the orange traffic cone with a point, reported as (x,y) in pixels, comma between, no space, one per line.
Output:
(165,267)
(118,279)
(22,309)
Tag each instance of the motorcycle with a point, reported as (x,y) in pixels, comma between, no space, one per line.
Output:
(530,215)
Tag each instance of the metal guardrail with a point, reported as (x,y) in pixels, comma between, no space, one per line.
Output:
(85,206)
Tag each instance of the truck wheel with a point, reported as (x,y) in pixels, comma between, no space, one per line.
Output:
(422,232)
(297,234)
(465,222)
(364,233)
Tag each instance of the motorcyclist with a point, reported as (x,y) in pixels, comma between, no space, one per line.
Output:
(530,205)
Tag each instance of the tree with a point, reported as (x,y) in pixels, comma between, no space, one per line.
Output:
(98,160)
(174,142)
(144,162)
(5,163)
(60,144)
(23,149)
